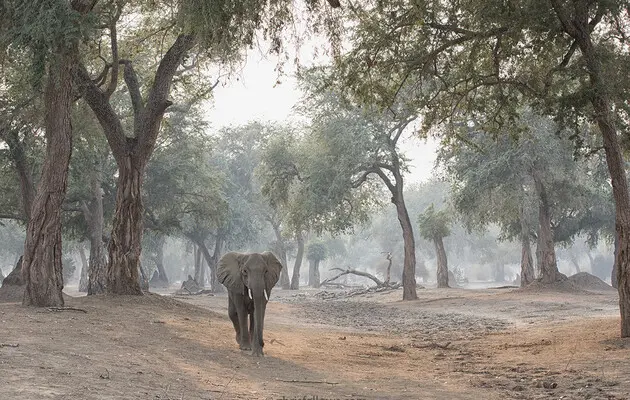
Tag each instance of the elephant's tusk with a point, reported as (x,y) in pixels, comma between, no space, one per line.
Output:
(266,295)
(250,294)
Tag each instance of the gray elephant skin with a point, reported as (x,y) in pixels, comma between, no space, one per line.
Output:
(249,278)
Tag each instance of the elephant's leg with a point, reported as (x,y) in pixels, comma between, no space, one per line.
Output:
(233,314)
(241,311)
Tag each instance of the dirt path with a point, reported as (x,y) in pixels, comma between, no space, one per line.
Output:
(454,344)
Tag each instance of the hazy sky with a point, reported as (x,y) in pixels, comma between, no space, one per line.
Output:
(256,96)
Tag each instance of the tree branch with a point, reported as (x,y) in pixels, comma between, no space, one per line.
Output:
(131,80)
(157,101)
(99,103)
(113,81)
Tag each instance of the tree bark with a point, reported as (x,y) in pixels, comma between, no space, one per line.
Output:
(547,254)
(442,263)
(613,276)
(42,270)
(409,243)
(126,241)
(295,280)
(83,280)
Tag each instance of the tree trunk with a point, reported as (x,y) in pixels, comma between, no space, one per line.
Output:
(574,260)
(613,276)
(442,263)
(125,244)
(547,254)
(311,272)
(93,213)
(409,261)
(527,263)
(42,270)
(159,259)
(388,272)
(316,276)
(282,255)
(83,281)
(211,261)
(579,28)
(15,277)
(132,155)
(20,162)
(295,280)
(200,271)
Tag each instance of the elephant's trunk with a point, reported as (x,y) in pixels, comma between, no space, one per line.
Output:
(260,304)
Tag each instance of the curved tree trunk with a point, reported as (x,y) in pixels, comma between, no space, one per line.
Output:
(442,263)
(546,253)
(41,269)
(409,261)
(295,280)
(125,244)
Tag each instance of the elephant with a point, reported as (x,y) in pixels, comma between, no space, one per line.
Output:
(249,278)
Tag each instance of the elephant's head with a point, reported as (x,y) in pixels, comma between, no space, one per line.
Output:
(258,272)
(252,275)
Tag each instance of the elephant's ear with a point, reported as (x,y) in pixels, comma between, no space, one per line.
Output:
(273,269)
(229,272)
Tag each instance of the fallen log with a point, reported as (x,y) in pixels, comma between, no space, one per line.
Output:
(354,272)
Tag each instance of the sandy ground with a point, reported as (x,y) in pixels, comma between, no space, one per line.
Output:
(450,344)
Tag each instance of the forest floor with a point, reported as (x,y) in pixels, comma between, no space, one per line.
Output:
(450,344)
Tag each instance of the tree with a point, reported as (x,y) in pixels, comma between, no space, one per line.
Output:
(315,254)
(526,182)
(361,143)
(565,58)
(31,28)
(91,192)
(220,30)
(434,226)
